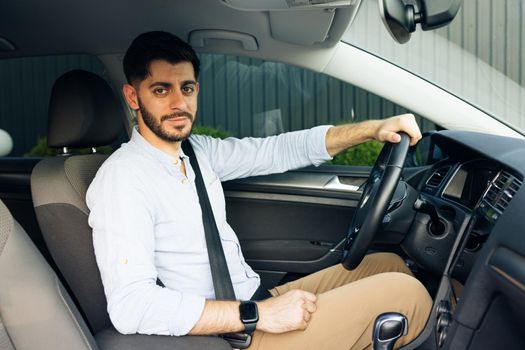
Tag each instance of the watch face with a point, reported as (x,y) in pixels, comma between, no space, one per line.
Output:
(248,311)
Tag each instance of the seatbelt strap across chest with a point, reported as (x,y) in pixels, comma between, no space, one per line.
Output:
(222,283)
(220,274)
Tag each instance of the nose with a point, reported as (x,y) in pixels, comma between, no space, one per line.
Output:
(178,100)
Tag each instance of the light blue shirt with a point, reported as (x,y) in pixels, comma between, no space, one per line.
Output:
(147,223)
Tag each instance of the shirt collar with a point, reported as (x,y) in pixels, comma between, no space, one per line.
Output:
(153,151)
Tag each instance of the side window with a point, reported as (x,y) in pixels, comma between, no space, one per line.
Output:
(249,97)
(25,89)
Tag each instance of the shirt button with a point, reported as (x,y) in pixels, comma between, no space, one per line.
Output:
(184,181)
(176,161)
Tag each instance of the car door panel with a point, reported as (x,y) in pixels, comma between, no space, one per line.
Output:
(294,222)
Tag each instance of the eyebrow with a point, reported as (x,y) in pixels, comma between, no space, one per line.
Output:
(189,82)
(169,85)
(161,83)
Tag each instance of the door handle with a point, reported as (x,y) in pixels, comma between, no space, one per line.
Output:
(336,184)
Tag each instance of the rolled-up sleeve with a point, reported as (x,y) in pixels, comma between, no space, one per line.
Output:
(236,158)
(122,219)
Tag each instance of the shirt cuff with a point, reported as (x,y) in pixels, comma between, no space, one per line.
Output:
(188,313)
(318,153)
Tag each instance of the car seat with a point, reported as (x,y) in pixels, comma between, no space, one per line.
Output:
(36,311)
(84,112)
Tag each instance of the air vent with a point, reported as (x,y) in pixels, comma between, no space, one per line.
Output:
(499,195)
(437,178)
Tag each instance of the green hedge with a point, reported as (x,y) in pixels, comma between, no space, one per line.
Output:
(363,154)
(42,150)
(206,130)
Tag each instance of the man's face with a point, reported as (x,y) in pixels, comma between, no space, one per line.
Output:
(167,101)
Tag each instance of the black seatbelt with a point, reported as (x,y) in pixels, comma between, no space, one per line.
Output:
(222,283)
(220,274)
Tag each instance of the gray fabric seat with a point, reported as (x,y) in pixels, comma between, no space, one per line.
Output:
(84,112)
(36,312)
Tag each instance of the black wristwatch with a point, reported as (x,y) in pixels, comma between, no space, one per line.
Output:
(249,315)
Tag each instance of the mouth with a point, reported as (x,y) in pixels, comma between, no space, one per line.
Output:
(178,124)
(178,121)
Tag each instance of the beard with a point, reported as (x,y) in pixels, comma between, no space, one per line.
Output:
(176,134)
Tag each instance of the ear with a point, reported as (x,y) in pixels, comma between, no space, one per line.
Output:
(130,95)
(197,88)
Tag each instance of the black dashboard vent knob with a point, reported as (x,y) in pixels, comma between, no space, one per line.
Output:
(438,176)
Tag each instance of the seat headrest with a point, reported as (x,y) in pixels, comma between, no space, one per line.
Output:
(83,112)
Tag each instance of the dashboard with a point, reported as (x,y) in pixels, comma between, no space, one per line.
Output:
(470,181)
(475,192)
(470,188)
(477,184)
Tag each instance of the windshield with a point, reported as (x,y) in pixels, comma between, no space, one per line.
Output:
(480,56)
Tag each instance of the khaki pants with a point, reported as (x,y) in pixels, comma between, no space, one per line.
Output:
(348,303)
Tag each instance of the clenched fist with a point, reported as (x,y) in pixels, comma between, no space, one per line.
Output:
(288,312)
(387,130)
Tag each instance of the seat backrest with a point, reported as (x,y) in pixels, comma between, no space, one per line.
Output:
(83,112)
(59,186)
(35,310)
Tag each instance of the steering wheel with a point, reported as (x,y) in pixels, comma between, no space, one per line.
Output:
(372,207)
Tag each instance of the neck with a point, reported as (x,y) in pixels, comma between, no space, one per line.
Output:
(172,148)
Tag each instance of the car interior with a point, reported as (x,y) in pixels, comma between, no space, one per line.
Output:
(454,214)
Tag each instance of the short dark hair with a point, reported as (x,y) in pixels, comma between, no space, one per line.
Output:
(157,45)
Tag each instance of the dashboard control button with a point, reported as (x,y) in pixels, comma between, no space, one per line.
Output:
(443,307)
(444,320)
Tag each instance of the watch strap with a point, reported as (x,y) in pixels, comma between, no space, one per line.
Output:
(250,327)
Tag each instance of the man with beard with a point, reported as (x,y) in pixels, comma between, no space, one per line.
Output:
(147,223)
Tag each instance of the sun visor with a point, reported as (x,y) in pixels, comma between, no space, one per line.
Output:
(270,5)
(303,27)
(303,22)
(311,26)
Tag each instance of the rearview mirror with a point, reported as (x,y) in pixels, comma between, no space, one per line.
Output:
(400,17)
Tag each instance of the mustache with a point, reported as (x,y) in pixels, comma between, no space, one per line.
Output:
(177,115)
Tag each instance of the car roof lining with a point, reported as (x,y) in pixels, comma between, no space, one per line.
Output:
(99,27)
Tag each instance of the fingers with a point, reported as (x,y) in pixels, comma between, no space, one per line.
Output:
(308,309)
(406,123)
(309,296)
(307,316)
(303,325)
(409,125)
(393,137)
(310,306)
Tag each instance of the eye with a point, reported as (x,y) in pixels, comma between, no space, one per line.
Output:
(188,89)
(160,91)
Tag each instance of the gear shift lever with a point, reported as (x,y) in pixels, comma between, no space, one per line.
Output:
(388,328)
